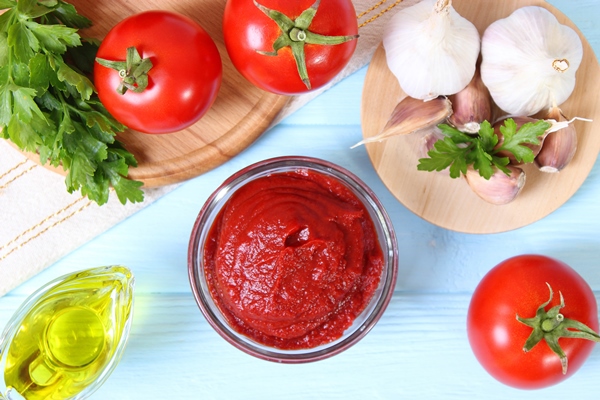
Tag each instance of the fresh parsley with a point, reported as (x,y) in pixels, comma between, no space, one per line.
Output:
(458,150)
(48,105)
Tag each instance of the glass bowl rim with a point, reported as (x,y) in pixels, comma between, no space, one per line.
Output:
(381,221)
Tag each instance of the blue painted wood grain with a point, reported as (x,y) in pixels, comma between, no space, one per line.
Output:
(418,349)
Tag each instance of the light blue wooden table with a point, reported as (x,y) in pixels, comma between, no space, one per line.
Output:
(419,349)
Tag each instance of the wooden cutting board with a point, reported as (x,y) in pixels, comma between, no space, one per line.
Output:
(240,114)
(450,203)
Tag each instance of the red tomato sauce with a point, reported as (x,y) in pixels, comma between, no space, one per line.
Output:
(292,259)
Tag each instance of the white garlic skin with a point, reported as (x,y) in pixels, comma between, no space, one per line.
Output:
(431,53)
(530,61)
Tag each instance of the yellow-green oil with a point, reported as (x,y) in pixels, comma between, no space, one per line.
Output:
(67,339)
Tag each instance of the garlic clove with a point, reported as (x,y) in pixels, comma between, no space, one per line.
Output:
(411,115)
(429,137)
(431,49)
(471,106)
(500,188)
(529,61)
(559,147)
(520,121)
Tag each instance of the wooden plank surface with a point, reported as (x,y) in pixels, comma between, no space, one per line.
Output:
(418,350)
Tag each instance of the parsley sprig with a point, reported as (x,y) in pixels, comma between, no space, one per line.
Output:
(457,150)
(49,106)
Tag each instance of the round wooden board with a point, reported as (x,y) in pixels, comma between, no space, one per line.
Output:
(450,203)
(240,114)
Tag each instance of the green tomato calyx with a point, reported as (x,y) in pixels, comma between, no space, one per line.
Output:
(133,71)
(295,34)
(551,325)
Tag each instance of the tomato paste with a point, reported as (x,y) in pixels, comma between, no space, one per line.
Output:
(292,259)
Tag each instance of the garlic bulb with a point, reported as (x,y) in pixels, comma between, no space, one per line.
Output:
(431,49)
(529,61)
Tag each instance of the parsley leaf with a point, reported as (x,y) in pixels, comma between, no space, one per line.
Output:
(447,154)
(22,41)
(68,16)
(48,105)
(3,49)
(4,4)
(528,133)
(54,38)
(458,150)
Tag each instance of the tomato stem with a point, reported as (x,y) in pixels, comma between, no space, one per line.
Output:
(295,33)
(133,71)
(551,325)
(548,325)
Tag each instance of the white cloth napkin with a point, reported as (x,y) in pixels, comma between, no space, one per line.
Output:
(40,222)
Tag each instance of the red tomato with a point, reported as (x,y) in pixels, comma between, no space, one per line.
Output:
(248,31)
(518,286)
(184,79)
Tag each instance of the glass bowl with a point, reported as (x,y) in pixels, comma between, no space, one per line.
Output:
(361,325)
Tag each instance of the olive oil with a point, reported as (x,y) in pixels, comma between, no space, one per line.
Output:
(66,339)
